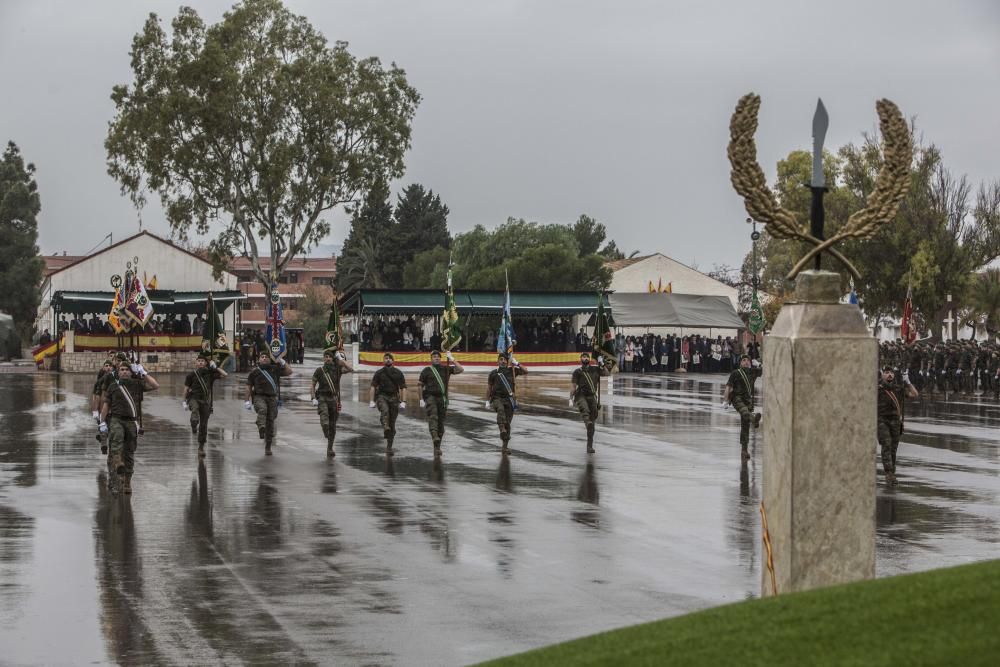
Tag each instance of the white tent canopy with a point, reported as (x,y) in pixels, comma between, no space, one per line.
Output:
(689,311)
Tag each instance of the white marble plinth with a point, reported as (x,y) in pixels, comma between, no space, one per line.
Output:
(820,369)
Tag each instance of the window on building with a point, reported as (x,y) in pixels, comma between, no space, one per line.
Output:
(323,281)
(290,304)
(293,277)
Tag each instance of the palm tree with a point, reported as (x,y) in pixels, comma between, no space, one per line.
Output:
(984,299)
(360,267)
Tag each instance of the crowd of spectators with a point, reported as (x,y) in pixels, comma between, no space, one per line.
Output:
(159,324)
(533,335)
(250,343)
(694,354)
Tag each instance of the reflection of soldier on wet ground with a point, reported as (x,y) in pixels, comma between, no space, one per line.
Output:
(262,394)
(325,391)
(890,417)
(388,394)
(500,394)
(198,394)
(120,409)
(433,385)
(587,491)
(740,394)
(586,394)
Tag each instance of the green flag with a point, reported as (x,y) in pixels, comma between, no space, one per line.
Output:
(213,334)
(756,320)
(334,333)
(451,329)
(604,339)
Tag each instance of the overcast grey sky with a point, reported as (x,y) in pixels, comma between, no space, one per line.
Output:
(546,110)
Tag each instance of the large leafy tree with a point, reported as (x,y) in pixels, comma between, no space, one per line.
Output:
(939,238)
(255,122)
(20,265)
(533,255)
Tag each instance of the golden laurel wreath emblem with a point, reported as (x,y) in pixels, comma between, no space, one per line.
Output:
(883,203)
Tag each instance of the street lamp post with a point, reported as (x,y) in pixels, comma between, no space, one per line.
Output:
(756,320)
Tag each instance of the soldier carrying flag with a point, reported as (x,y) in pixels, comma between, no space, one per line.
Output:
(325,387)
(199,385)
(501,393)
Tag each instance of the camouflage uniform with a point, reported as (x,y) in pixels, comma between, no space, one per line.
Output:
(890,424)
(122,397)
(435,395)
(501,398)
(327,381)
(587,398)
(200,383)
(741,385)
(265,400)
(388,381)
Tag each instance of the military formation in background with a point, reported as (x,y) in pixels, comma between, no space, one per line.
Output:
(955,367)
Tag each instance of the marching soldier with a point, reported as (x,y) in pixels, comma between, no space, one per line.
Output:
(433,385)
(120,404)
(500,395)
(585,395)
(262,394)
(388,394)
(99,386)
(740,393)
(199,394)
(890,417)
(325,392)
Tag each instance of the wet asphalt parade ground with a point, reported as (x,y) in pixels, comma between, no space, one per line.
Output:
(369,560)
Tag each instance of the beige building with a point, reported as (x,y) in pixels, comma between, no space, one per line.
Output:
(636,274)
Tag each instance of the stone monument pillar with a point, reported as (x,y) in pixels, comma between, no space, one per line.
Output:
(820,369)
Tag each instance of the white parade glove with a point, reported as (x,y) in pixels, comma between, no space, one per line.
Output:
(341,356)
(906,377)
(248,405)
(487,405)
(958,372)
(402,405)
(571,403)
(102,427)
(449,356)
(371,404)
(422,403)
(315,402)
(212,365)
(184,404)
(513,361)
(138,370)
(755,363)
(96,415)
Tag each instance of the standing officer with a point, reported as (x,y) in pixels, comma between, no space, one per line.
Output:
(121,404)
(890,417)
(325,392)
(433,385)
(198,395)
(262,394)
(740,393)
(586,394)
(388,394)
(500,394)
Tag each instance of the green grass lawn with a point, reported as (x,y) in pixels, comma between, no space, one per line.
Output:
(942,617)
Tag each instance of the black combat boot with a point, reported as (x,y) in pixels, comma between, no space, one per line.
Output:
(437,449)
(744,454)
(756,419)
(329,448)
(267,448)
(201,450)
(127,484)
(590,439)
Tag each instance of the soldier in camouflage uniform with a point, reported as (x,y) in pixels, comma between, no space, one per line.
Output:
(120,405)
(262,394)
(98,392)
(199,394)
(433,385)
(388,394)
(740,394)
(586,394)
(500,390)
(890,417)
(325,391)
